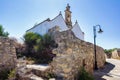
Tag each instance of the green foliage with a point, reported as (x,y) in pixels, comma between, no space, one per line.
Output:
(47,75)
(83,75)
(39,47)
(2,33)
(109,50)
(51,75)
(12,74)
(4,74)
(46,40)
(32,38)
(7,74)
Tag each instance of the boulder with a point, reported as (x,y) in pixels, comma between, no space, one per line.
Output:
(72,54)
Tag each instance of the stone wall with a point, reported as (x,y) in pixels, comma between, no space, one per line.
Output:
(115,54)
(108,54)
(7,53)
(72,54)
(118,52)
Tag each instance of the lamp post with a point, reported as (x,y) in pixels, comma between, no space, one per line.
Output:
(100,31)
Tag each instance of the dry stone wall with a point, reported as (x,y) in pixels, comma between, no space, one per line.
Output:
(72,54)
(7,53)
(118,52)
(115,54)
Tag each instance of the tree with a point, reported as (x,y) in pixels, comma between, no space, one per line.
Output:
(39,47)
(32,40)
(110,50)
(2,33)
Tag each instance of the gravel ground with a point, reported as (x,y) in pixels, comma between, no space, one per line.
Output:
(111,71)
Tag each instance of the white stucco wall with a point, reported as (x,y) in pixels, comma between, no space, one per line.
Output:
(40,29)
(77,31)
(59,21)
(43,27)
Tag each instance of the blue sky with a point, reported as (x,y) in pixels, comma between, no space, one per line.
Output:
(17,16)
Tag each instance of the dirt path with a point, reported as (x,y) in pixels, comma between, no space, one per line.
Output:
(110,72)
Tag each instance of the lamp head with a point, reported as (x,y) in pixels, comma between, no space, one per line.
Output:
(100,30)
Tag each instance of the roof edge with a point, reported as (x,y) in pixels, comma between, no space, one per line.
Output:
(76,23)
(48,19)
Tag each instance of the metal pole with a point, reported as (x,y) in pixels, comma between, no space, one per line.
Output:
(95,66)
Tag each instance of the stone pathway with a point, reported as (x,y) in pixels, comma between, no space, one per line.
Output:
(38,67)
(110,72)
(25,71)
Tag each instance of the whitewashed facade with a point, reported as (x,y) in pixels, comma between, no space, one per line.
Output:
(77,31)
(43,27)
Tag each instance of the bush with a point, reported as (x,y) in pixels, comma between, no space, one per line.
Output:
(2,33)
(4,74)
(7,74)
(39,47)
(12,74)
(83,75)
(47,75)
(109,50)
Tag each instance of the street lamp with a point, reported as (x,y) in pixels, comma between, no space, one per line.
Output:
(100,31)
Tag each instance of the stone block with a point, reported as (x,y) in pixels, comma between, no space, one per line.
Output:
(72,54)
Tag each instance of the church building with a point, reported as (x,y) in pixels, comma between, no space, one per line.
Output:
(63,24)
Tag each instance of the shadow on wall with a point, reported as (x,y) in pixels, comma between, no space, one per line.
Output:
(103,72)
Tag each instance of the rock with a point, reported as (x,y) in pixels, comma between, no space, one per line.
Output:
(116,54)
(7,54)
(72,54)
(52,79)
(33,72)
(38,67)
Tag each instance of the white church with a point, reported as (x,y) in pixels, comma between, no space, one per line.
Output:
(64,24)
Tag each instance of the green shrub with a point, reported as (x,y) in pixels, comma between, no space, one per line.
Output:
(2,32)
(49,75)
(39,47)
(12,74)
(7,74)
(4,74)
(109,51)
(83,75)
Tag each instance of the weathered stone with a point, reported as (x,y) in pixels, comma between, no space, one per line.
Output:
(115,54)
(7,54)
(73,54)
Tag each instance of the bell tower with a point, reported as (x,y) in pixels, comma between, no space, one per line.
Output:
(68,17)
